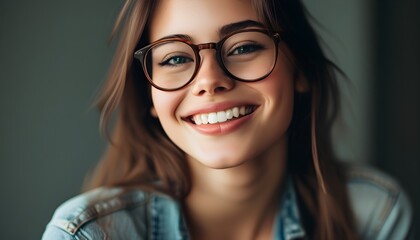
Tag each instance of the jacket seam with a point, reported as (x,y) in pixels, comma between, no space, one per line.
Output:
(378,181)
(386,212)
(98,210)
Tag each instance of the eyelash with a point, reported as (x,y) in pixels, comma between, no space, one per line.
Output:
(166,62)
(254,47)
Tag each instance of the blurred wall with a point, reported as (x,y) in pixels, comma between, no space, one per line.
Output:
(54,55)
(344,28)
(396,123)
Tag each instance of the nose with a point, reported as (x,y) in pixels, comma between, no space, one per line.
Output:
(210,78)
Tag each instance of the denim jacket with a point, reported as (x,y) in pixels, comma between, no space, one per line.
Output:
(381,208)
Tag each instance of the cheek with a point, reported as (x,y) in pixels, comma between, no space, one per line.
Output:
(279,90)
(161,103)
(165,104)
(279,85)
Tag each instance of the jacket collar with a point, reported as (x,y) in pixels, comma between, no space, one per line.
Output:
(288,224)
(167,218)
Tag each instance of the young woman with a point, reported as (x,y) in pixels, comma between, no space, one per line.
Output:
(223,111)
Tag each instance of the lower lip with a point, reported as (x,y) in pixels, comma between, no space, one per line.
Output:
(221,128)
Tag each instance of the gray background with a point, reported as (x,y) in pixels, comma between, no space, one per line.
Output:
(54,56)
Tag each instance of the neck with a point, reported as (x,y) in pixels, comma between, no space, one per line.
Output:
(239,202)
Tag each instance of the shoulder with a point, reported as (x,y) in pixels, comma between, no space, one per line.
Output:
(381,208)
(105,213)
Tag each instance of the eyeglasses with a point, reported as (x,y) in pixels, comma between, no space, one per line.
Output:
(247,55)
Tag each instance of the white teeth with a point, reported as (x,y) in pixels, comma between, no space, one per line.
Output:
(204,119)
(242,110)
(197,119)
(235,112)
(229,114)
(212,118)
(222,116)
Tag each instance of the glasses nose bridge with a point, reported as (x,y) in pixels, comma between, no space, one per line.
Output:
(210,45)
(204,46)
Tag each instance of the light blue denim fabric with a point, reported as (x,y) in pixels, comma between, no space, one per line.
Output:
(381,208)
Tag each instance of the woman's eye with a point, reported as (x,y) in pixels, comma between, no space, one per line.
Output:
(246,49)
(175,60)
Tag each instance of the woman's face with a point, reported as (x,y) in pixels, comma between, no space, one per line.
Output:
(236,141)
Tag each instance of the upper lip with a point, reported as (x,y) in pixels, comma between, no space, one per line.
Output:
(216,107)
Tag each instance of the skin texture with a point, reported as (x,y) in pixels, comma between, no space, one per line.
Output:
(231,166)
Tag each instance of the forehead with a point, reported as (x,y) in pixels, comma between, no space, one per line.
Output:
(200,19)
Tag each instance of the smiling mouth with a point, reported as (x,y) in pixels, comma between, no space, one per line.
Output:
(221,116)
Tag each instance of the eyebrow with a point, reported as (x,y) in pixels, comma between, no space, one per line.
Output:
(233,27)
(182,36)
(223,31)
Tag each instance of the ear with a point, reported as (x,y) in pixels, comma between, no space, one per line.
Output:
(301,83)
(153,112)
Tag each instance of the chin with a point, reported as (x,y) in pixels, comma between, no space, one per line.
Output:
(220,162)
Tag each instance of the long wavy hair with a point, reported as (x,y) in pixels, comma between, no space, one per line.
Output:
(140,153)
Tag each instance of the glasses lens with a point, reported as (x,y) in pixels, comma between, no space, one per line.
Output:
(170,65)
(249,55)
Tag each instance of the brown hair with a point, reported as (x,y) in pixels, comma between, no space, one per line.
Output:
(140,153)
